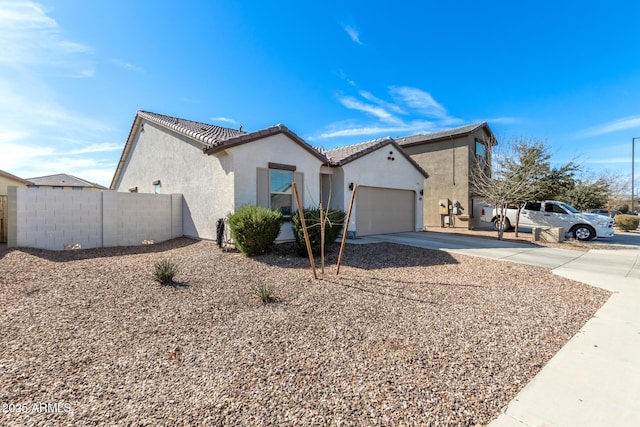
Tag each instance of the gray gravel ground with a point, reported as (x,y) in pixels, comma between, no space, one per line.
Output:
(404,336)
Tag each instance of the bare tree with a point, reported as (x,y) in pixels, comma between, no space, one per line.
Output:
(510,177)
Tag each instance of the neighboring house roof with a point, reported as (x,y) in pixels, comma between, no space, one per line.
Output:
(444,134)
(13,177)
(343,155)
(64,180)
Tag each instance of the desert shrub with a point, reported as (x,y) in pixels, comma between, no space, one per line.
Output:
(332,227)
(264,293)
(164,271)
(627,222)
(254,229)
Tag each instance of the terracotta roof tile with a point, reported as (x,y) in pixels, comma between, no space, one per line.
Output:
(203,132)
(342,155)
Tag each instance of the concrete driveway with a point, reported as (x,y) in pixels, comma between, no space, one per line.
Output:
(594,380)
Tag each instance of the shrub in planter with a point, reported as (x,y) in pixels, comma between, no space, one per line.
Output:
(254,229)
(332,227)
(626,222)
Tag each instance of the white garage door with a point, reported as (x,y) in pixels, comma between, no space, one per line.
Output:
(384,210)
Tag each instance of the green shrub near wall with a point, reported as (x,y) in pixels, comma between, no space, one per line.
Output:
(254,229)
(627,222)
(332,229)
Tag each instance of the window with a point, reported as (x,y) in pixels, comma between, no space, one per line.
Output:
(551,207)
(275,188)
(533,206)
(481,153)
(281,191)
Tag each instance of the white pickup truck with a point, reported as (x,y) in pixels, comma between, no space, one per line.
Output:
(551,213)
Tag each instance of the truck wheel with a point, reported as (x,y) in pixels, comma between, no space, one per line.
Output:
(584,232)
(496,224)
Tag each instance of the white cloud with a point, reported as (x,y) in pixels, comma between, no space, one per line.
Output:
(96,148)
(353,34)
(224,119)
(415,111)
(39,134)
(420,100)
(613,126)
(379,112)
(29,38)
(127,66)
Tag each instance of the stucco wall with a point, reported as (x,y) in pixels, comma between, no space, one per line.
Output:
(448,163)
(376,170)
(182,167)
(51,219)
(277,148)
(5,182)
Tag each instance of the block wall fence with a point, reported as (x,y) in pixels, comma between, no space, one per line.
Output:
(67,219)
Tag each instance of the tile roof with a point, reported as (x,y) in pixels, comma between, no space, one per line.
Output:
(217,138)
(203,132)
(263,133)
(343,155)
(63,180)
(443,134)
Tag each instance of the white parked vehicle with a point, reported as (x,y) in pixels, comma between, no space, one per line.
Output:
(551,213)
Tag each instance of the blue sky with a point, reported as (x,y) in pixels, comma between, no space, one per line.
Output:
(73,74)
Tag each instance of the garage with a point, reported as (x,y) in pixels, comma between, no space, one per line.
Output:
(384,210)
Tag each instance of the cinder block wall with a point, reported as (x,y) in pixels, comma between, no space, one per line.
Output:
(54,219)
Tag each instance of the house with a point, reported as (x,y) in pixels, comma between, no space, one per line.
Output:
(449,156)
(6,180)
(218,169)
(62,181)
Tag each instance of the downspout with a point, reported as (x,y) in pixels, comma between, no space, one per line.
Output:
(453,166)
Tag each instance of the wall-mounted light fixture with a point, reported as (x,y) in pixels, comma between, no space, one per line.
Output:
(422,192)
(142,127)
(351,186)
(133,190)
(156,182)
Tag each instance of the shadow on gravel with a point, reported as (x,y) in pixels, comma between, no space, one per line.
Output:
(81,254)
(371,256)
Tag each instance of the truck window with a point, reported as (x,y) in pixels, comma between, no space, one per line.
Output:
(552,207)
(533,206)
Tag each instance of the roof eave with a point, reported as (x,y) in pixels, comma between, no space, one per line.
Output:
(263,133)
(453,135)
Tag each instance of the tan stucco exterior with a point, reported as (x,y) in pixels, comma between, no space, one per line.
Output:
(449,161)
(7,180)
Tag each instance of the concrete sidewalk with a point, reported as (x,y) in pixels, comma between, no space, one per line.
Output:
(594,380)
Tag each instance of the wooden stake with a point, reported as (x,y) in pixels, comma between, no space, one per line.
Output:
(304,230)
(346,227)
(321,241)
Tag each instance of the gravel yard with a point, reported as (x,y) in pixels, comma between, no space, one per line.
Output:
(404,336)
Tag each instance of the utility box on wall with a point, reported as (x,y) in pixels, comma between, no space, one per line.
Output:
(444,206)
